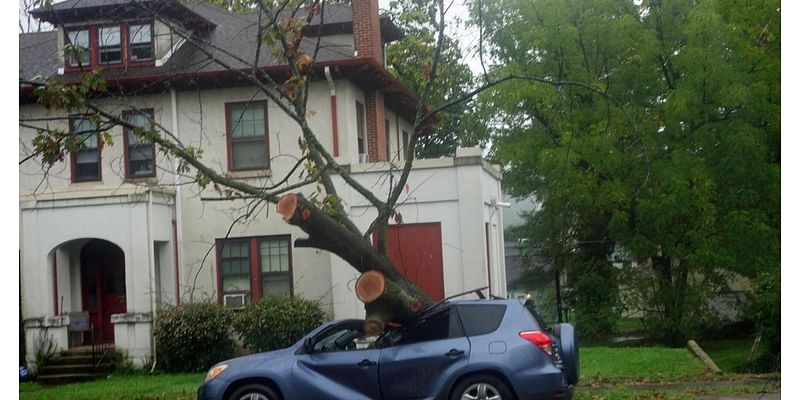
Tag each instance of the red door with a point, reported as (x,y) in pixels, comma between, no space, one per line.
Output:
(416,250)
(103,287)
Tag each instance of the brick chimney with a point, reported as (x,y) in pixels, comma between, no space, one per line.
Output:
(368,43)
(367,30)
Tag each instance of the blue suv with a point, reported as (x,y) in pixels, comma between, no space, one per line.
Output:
(464,350)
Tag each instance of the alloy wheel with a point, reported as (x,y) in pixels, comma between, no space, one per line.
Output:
(481,391)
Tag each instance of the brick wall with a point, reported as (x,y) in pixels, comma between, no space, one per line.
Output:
(376,127)
(366,29)
(368,43)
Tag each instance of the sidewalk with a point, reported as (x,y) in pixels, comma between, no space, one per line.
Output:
(754,396)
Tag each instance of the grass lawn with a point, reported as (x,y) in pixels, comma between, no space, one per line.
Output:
(638,364)
(604,373)
(126,387)
(730,353)
(692,393)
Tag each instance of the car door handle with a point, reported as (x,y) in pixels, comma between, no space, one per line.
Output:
(454,353)
(366,363)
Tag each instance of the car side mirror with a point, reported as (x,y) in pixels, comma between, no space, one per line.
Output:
(308,345)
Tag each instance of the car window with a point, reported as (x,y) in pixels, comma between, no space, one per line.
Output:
(537,319)
(438,326)
(344,338)
(480,319)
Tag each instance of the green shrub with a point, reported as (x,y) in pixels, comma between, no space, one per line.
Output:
(192,337)
(44,349)
(766,309)
(277,322)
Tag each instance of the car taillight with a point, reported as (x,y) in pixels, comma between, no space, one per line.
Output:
(540,340)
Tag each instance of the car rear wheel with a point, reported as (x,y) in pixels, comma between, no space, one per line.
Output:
(481,387)
(254,392)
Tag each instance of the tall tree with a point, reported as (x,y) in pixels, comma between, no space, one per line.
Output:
(658,134)
(410,59)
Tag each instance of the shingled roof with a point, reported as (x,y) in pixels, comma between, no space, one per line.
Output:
(38,55)
(230,37)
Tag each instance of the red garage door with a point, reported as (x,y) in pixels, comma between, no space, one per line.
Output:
(416,250)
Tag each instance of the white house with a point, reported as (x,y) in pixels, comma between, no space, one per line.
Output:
(115,232)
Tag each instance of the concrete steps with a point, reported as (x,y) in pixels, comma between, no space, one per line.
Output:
(77,365)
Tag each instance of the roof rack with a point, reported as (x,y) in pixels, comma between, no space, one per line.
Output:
(436,305)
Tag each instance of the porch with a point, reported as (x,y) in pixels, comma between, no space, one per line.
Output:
(97,277)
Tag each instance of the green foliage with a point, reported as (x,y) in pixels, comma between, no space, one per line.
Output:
(676,161)
(593,299)
(192,337)
(44,349)
(731,353)
(649,364)
(765,308)
(277,322)
(410,59)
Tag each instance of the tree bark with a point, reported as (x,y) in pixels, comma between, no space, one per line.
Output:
(399,300)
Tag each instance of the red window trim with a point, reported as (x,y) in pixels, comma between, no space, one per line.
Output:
(125,133)
(94,44)
(121,45)
(127,55)
(255,264)
(72,158)
(229,134)
(92,38)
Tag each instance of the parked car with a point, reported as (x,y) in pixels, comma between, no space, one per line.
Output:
(474,349)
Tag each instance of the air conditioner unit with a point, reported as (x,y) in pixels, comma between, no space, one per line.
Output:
(362,158)
(234,300)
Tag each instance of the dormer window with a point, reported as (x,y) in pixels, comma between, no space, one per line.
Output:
(110,46)
(126,44)
(79,53)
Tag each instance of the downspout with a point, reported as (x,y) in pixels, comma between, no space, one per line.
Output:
(334,122)
(55,282)
(177,235)
(152,262)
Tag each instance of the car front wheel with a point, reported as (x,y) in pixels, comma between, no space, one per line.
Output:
(481,387)
(254,392)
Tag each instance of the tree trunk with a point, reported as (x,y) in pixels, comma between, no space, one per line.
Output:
(388,296)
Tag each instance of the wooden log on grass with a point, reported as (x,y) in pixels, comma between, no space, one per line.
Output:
(695,348)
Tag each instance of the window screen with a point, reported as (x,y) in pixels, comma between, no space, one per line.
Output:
(248,136)
(87,159)
(141,152)
(140,43)
(79,54)
(110,47)
(235,266)
(276,279)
